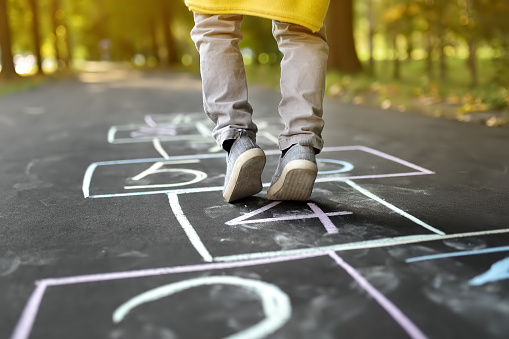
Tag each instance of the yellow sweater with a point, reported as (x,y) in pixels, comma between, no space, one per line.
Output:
(307,13)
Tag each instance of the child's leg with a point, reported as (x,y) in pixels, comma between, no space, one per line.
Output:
(302,88)
(303,71)
(225,102)
(225,96)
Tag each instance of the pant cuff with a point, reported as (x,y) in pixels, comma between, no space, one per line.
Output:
(232,133)
(305,140)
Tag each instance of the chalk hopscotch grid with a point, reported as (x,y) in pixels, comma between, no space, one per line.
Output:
(205,254)
(92,167)
(25,324)
(172,120)
(27,319)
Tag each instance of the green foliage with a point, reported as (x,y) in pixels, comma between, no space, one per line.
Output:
(444,56)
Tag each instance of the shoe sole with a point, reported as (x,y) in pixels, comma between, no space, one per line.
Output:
(246,177)
(296,182)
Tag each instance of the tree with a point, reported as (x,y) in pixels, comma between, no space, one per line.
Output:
(8,70)
(36,34)
(171,48)
(343,55)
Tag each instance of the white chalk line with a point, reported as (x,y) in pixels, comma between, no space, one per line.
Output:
(174,191)
(90,170)
(251,214)
(318,213)
(394,208)
(86,180)
(198,176)
(148,171)
(377,243)
(194,238)
(27,319)
(152,169)
(111,134)
(214,188)
(275,303)
(157,145)
(408,326)
(294,217)
(203,129)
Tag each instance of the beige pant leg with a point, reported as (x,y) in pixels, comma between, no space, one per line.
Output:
(303,72)
(225,94)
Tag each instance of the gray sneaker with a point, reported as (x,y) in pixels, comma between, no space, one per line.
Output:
(244,167)
(295,175)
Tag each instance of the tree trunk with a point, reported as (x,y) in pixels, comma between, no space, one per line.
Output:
(8,70)
(443,65)
(472,48)
(472,62)
(154,42)
(429,58)
(370,38)
(409,46)
(343,56)
(36,34)
(397,69)
(68,47)
(171,49)
(55,23)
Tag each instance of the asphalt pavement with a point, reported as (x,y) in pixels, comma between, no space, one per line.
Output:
(112,222)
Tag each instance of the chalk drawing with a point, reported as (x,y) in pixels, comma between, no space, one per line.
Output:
(203,129)
(498,271)
(320,179)
(27,319)
(155,168)
(159,164)
(393,158)
(407,325)
(276,304)
(174,118)
(147,131)
(377,243)
(151,272)
(26,322)
(318,213)
(392,207)
(459,254)
(198,176)
(194,238)
(159,148)
(142,138)
(324,218)
(24,326)
(345,166)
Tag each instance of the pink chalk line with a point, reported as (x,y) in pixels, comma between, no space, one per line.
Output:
(327,223)
(407,325)
(318,213)
(25,324)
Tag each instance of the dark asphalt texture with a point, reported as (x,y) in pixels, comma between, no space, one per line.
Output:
(51,134)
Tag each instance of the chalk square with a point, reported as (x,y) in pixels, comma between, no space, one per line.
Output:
(336,215)
(79,310)
(205,172)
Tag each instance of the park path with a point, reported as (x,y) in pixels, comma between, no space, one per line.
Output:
(110,189)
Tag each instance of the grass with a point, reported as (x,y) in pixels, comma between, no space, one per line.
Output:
(21,84)
(455,98)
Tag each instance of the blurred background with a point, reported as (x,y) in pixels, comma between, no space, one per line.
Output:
(443,58)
